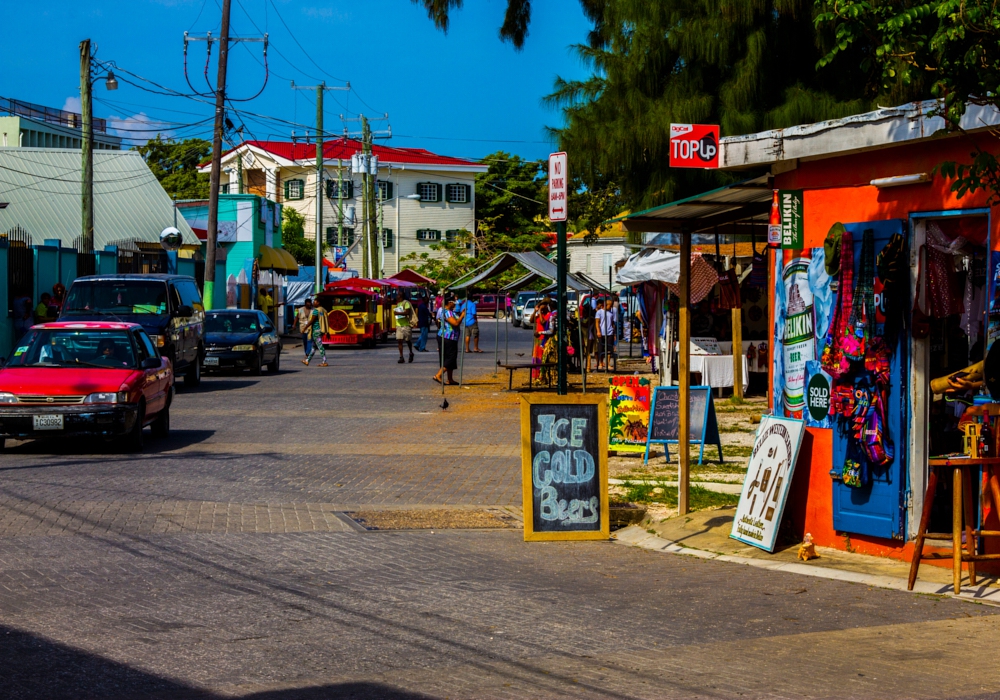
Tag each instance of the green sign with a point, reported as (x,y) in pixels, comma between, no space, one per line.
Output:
(818,397)
(790,203)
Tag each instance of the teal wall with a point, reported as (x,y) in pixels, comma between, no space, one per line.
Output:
(46,269)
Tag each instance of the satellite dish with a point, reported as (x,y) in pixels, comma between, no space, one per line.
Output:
(170,238)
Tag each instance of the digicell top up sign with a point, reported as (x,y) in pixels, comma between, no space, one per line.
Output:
(694,146)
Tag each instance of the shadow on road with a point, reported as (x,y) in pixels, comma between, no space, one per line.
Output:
(79,447)
(33,667)
(216,383)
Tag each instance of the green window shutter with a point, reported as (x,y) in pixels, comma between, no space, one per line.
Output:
(437,188)
(348,189)
(331,235)
(287,183)
(331,189)
(348,236)
(468,193)
(387,238)
(447,196)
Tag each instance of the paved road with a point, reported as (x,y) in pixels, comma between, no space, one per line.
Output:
(220,564)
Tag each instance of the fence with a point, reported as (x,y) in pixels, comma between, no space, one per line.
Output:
(20,265)
(136,256)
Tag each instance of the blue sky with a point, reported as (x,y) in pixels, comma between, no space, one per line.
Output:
(464,93)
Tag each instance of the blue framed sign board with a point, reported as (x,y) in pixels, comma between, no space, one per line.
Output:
(664,420)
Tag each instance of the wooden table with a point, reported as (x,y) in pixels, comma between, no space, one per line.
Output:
(961,503)
(525,365)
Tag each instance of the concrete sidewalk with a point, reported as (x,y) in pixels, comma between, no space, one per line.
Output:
(705,534)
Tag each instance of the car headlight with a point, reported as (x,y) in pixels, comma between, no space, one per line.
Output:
(243,348)
(158,340)
(107,397)
(6,397)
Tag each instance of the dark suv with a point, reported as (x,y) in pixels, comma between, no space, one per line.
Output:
(168,307)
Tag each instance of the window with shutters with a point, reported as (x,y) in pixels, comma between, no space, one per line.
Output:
(331,236)
(453,235)
(429,191)
(294,189)
(384,190)
(427,234)
(458,194)
(224,189)
(337,189)
(387,238)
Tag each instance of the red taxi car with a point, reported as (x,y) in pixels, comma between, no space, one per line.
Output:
(97,379)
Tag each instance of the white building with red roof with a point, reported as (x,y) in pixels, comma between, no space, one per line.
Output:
(425,197)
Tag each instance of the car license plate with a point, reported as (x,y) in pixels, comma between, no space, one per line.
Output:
(212,361)
(48,422)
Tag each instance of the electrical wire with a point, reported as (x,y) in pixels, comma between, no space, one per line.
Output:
(292,34)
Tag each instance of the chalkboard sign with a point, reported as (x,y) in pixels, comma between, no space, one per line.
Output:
(664,419)
(564,467)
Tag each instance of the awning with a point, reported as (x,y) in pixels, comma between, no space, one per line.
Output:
(656,265)
(409,275)
(740,201)
(536,264)
(281,261)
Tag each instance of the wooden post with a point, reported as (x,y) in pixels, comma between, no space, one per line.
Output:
(956,529)
(684,376)
(737,351)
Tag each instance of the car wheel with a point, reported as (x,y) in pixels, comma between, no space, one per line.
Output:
(133,441)
(161,426)
(193,376)
(3,444)
(273,367)
(258,360)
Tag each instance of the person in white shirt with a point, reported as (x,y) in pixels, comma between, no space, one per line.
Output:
(606,335)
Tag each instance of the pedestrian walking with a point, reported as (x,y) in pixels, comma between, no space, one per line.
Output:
(403,312)
(448,332)
(469,311)
(423,325)
(302,322)
(605,324)
(317,328)
(587,331)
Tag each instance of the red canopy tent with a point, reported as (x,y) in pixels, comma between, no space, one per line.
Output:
(413,276)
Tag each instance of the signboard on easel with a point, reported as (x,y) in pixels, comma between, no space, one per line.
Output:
(564,467)
(664,420)
(769,476)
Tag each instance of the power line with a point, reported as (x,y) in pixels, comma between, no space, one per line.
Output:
(291,34)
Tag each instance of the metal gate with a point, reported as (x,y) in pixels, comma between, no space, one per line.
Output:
(21,265)
(86,261)
(136,256)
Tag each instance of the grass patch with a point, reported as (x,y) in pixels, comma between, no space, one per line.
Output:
(737,400)
(737,428)
(699,497)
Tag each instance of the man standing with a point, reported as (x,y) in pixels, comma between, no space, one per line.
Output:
(265,302)
(606,336)
(303,321)
(469,310)
(403,312)
(424,324)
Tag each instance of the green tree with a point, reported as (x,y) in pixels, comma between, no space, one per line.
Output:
(511,195)
(293,238)
(745,65)
(947,49)
(175,165)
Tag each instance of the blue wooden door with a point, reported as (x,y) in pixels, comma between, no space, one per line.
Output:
(877,509)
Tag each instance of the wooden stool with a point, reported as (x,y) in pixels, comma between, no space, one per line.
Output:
(962,475)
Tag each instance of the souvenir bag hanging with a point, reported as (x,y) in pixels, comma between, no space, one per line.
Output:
(862,320)
(891,267)
(833,360)
(920,322)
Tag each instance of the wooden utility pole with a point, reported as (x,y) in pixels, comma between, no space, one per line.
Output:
(738,348)
(684,376)
(86,151)
(371,235)
(212,234)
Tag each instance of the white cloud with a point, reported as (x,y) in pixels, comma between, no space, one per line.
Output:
(326,14)
(72,104)
(138,128)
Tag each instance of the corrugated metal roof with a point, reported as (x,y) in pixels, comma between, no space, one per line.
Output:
(739,201)
(345,148)
(42,189)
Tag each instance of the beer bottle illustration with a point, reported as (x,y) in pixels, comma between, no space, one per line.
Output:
(799,336)
(774,223)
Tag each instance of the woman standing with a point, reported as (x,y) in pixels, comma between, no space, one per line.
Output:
(451,322)
(541,319)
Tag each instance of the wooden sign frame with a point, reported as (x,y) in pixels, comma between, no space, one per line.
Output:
(709,425)
(601,463)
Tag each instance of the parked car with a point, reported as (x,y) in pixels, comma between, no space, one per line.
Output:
(528,312)
(486,304)
(102,379)
(240,339)
(518,307)
(168,307)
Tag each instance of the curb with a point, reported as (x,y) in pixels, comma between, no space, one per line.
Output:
(635,536)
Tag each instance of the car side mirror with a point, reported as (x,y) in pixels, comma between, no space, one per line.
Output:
(185,311)
(150,363)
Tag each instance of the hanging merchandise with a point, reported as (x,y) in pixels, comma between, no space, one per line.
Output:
(832,247)
(944,293)
(890,288)
(860,325)
(729,291)
(834,362)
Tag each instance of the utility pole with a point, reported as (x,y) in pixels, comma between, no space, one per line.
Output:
(87,151)
(367,165)
(320,89)
(340,201)
(212,234)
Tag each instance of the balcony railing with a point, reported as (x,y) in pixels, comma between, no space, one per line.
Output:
(49,115)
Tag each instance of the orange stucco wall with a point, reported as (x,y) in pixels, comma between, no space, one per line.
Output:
(838,189)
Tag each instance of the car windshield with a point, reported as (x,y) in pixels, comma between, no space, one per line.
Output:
(231,323)
(73,347)
(525,296)
(354,303)
(112,297)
